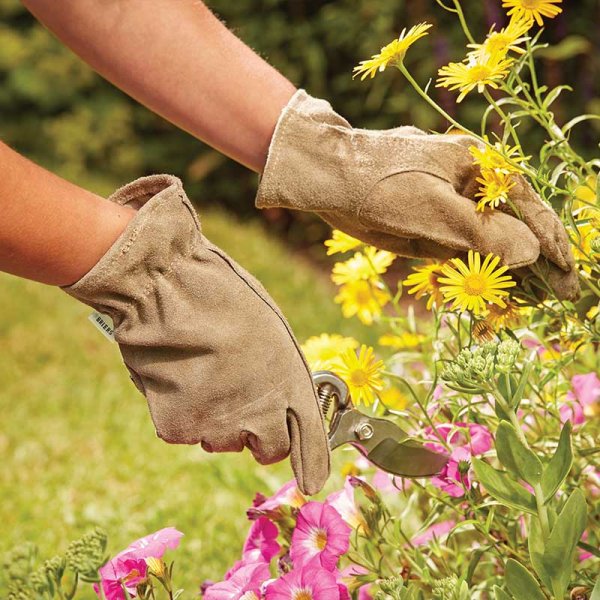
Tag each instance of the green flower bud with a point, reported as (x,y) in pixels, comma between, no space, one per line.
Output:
(507,354)
(87,554)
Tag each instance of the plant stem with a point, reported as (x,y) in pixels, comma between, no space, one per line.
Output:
(463,22)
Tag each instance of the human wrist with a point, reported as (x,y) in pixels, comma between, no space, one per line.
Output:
(107,222)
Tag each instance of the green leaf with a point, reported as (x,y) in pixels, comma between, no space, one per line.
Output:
(596,591)
(477,554)
(502,487)
(500,412)
(516,456)
(521,582)
(562,543)
(537,548)
(500,594)
(520,391)
(555,93)
(559,465)
(579,119)
(569,47)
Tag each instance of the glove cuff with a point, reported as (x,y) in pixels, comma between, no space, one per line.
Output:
(162,232)
(307,159)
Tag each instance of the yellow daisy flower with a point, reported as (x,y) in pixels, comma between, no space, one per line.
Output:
(483,331)
(472,286)
(533,9)
(474,73)
(321,350)
(495,319)
(585,194)
(494,189)
(572,336)
(393,399)
(362,266)
(582,249)
(393,53)
(363,299)
(403,341)
(501,317)
(494,158)
(341,242)
(424,282)
(505,40)
(362,374)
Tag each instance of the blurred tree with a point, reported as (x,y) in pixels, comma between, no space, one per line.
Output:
(55,110)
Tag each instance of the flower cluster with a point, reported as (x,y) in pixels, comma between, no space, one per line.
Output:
(313,540)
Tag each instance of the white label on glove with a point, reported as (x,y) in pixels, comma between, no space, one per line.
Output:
(104,325)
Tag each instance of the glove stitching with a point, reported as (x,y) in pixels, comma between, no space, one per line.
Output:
(398,172)
(171,267)
(257,291)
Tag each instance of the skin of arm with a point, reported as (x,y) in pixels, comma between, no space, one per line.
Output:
(179,60)
(51,230)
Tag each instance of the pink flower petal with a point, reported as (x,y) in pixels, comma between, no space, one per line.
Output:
(320,534)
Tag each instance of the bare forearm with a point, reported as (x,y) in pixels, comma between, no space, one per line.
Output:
(179,60)
(51,230)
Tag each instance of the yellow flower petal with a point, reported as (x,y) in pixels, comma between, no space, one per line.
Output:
(393,53)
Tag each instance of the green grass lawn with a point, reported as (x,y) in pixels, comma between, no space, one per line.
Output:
(77,445)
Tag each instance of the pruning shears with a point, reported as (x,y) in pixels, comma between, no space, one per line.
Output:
(382,442)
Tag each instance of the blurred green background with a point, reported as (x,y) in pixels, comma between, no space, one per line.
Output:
(58,112)
(76,444)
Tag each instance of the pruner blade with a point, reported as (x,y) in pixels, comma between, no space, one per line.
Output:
(382,442)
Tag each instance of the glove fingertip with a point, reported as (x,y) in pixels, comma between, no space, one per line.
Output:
(309,451)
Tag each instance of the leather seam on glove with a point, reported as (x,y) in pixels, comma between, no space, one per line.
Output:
(171,267)
(98,272)
(367,195)
(257,291)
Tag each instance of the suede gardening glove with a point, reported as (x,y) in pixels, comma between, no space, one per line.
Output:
(203,340)
(407,192)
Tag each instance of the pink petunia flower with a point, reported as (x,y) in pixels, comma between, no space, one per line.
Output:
(244,584)
(344,504)
(128,568)
(305,583)
(583,554)
(321,536)
(582,399)
(287,495)
(466,440)
(262,537)
(438,531)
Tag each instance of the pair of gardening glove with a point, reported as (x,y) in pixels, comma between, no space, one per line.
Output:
(204,341)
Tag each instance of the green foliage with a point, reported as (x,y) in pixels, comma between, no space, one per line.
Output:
(554,564)
(451,588)
(516,456)
(57,577)
(521,582)
(559,465)
(503,488)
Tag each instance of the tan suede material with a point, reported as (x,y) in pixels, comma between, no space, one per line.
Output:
(203,340)
(406,191)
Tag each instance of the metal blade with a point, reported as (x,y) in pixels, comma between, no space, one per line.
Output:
(408,459)
(385,445)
